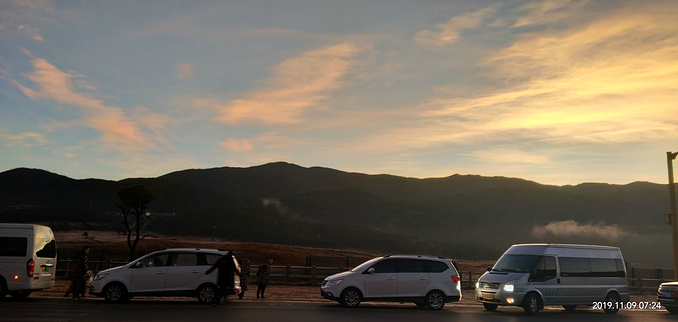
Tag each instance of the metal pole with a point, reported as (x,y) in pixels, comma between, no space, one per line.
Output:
(674,220)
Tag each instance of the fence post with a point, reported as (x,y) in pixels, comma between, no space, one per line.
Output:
(313,272)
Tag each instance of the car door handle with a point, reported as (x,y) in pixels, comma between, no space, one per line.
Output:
(195,272)
(423,278)
(160,272)
(391,278)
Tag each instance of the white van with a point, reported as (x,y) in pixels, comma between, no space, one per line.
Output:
(28,258)
(534,275)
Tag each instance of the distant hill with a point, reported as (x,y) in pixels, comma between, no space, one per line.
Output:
(460,216)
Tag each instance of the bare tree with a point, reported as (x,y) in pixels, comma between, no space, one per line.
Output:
(134,200)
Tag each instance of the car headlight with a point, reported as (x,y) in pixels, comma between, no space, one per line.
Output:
(334,282)
(99,277)
(508,287)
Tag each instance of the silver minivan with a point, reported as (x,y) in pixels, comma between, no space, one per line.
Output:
(534,275)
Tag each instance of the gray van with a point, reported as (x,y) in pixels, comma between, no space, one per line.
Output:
(534,275)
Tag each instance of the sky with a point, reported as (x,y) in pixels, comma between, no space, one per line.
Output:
(558,92)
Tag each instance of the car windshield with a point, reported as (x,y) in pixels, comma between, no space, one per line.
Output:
(515,263)
(366,264)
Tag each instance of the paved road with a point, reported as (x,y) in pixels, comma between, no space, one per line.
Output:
(61,309)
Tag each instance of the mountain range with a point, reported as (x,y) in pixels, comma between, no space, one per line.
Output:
(460,216)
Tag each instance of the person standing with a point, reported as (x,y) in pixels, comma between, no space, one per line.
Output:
(79,273)
(264,274)
(227,268)
(244,274)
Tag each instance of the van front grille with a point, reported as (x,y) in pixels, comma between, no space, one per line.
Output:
(492,286)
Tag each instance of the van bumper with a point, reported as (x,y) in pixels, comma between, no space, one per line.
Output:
(499,297)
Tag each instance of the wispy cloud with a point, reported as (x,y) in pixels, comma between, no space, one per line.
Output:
(296,85)
(235,145)
(505,155)
(185,71)
(549,11)
(24,139)
(117,129)
(571,228)
(449,32)
(605,81)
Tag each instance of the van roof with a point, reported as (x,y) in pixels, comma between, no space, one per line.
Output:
(12,225)
(568,250)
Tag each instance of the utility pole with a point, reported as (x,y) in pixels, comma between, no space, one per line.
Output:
(673,220)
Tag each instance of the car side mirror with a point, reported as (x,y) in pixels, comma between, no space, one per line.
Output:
(371,270)
(137,264)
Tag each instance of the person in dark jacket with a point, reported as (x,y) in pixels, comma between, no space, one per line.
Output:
(264,274)
(227,269)
(79,273)
(244,274)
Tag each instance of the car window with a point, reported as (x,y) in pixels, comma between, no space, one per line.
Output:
(184,259)
(13,246)
(385,266)
(155,261)
(436,266)
(210,259)
(411,266)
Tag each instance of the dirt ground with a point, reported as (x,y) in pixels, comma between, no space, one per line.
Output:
(257,253)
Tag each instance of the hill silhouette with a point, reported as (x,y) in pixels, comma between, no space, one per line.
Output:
(460,216)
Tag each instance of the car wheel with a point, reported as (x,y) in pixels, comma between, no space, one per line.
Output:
(115,293)
(531,304)
(672,309)
(612,299)
(207,293)
(3,288)
(20,295)
(435,300)
(490,307)
(351,297)
(570,307)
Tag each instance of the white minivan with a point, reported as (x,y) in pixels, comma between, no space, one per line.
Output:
(534,275)
(169,272)
(28,259)
(425,280)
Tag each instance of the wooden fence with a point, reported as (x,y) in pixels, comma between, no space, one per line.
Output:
(641,280)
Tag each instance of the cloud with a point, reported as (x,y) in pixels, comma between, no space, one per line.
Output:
(448,33)
(296,85)
(117,130)
(235,145)
(275,204)
(185,71)
(571,228)
(25,139)
(549,11)
(609,80)
(505,155)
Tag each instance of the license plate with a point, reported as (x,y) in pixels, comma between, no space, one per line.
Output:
(45,269)
(667,295)
(487,296)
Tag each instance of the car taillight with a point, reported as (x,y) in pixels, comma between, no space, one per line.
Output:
(456,279)
(30,268)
